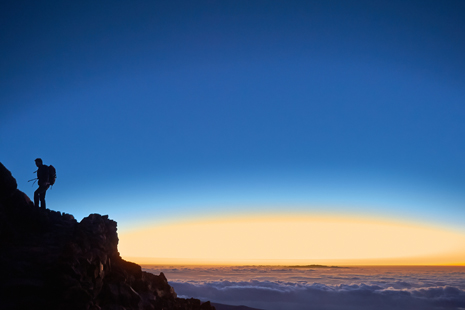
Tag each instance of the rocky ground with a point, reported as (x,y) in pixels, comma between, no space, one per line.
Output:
(48,260)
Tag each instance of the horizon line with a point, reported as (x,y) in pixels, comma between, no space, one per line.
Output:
(283,263)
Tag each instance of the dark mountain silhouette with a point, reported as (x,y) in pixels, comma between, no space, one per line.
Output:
(48,260)
(228,307)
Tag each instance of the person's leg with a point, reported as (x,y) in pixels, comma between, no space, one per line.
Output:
(36,197)
(42,198)
(39,194)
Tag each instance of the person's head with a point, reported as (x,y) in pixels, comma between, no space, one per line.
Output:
(38,162)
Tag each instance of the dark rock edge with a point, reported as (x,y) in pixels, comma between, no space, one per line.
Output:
(48,260)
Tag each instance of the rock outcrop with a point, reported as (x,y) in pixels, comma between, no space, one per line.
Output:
(48,260)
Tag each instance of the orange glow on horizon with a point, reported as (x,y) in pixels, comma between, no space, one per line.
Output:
(293,240)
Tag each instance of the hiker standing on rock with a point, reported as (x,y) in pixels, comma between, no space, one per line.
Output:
(43,181)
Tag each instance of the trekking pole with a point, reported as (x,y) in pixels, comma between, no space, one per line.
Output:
(34,181)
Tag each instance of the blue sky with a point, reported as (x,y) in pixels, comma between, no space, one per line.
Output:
(155,111)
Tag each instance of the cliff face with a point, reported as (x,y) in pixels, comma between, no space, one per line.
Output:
(48,260)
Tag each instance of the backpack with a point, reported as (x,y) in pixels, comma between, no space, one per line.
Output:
(52,174)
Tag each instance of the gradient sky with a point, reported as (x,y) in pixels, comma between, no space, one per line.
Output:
(156,112)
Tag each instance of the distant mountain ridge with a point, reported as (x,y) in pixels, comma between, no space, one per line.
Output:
(228,307)
(50,261)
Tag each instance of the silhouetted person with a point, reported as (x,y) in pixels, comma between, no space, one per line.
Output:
(44,184)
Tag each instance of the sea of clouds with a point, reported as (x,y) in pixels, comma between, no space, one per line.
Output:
(281,288)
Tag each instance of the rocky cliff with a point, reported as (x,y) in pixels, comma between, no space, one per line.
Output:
(48,260)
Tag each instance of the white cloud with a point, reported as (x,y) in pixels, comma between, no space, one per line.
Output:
(355,288)
(293,296)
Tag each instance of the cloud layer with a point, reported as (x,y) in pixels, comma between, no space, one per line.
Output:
(361,288)
(276,296)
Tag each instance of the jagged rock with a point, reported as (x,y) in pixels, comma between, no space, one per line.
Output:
(7,184)
(50,261)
